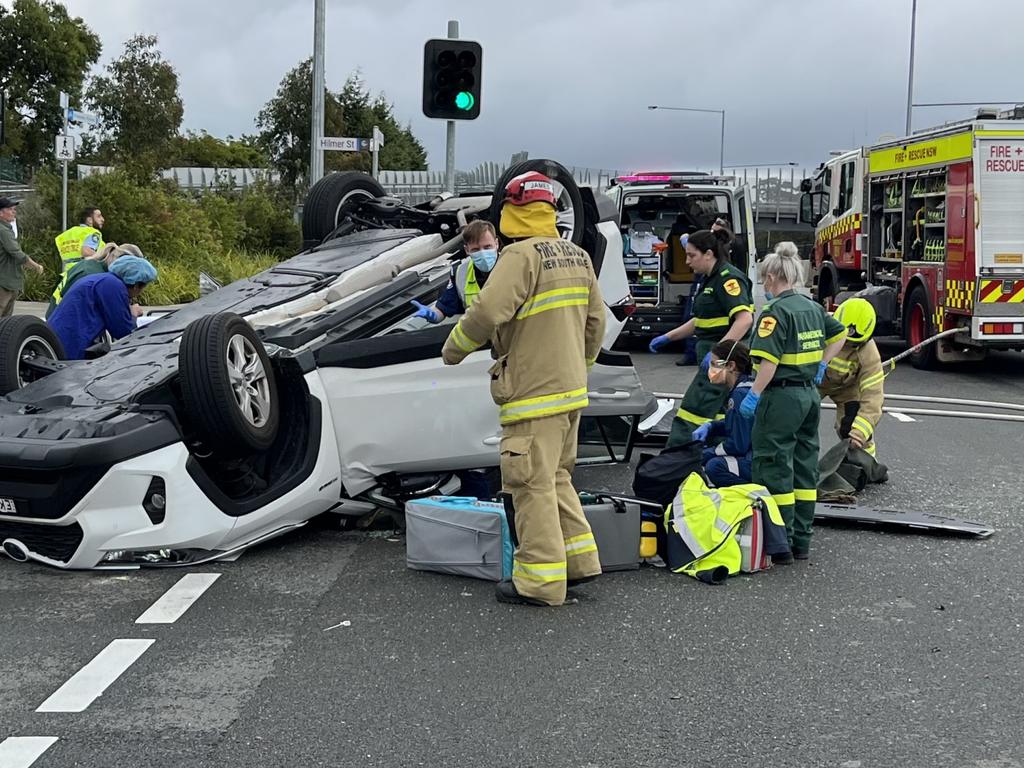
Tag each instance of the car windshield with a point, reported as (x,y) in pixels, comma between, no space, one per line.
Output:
(681,213)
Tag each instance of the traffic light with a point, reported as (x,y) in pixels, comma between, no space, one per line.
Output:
(451,79)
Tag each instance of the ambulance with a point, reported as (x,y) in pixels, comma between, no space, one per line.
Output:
(930,229)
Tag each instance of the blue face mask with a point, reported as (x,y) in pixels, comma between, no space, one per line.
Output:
(484,260)
(768,295)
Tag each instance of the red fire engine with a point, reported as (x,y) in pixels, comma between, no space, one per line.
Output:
(930,229)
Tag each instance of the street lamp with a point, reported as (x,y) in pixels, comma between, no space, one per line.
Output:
(910,76)
(721,149)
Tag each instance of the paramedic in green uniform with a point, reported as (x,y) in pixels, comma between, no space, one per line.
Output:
(794,340)
(723,310)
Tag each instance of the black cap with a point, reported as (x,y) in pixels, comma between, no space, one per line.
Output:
(6,202)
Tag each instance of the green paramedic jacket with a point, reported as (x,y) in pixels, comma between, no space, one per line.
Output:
(706,521)
(726,293)
(792,332)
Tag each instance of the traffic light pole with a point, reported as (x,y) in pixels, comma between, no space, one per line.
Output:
(316,154)
(449,152)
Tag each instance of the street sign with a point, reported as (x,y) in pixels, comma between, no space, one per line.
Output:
(65,100)
(344,144)
(83,117)
(378,138)
(64,148)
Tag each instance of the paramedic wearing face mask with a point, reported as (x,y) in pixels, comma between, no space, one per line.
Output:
(481,245)
(729,463)
(544,316)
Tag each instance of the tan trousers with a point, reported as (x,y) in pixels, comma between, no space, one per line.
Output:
(7,299)
(555,540)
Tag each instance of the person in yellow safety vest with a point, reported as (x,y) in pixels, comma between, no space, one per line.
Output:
(544,316)
(854,379)
(77,243)
(480,242)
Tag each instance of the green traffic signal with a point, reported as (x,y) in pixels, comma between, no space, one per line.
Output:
(464,100)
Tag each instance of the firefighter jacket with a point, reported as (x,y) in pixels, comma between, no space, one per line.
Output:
(855,375)
(543,313)
(701,525)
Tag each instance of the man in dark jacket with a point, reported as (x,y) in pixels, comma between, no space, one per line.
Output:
(13,261)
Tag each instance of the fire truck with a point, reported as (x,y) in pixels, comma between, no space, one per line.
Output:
(930,229)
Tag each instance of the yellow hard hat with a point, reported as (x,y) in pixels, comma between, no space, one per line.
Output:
(859,318)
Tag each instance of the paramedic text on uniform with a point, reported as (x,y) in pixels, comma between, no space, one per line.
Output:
(543,313)
(794,341)
(722,311)
(854,379)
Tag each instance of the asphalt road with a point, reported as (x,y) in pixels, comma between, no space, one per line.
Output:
(321,649)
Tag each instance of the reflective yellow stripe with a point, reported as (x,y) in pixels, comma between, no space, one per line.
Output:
(547,405)
(784,499)
(843,366)
(742,308)
(470,288)
(801,358)
(835,338)
(461,340)
(766,355)
(560,297)
(870,448)
(580,545)
(863,426)
(711,322)
(805,494)
(693,418)
(545,573)
(872,381)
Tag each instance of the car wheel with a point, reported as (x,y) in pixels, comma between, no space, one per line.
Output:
(570,216)
(22,338)
(228,385)
(325,202)
(917,326)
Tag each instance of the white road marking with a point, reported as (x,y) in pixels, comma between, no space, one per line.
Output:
(901,416)
(22,751)
(89,683)
(178,599)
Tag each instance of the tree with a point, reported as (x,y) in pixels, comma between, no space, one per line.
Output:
(286,122)
(43,51)
(140,107)
(205,151)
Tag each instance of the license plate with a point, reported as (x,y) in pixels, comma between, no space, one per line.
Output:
(7,507)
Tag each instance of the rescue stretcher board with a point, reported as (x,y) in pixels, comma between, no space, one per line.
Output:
(854,513)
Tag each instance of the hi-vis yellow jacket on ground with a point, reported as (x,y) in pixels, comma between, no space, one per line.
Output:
(543,313)
(855,375)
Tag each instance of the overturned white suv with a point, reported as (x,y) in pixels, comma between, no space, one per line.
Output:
(306,389)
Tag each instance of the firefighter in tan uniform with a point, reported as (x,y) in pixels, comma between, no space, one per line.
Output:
(544,316)
(854,379)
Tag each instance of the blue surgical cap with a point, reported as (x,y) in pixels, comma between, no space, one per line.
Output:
(133,270)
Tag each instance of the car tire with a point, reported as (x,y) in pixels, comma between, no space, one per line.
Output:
(20,335)
(569,198)
(918,326)
(228,385)
(322,209)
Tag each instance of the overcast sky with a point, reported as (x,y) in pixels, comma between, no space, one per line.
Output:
(572,79)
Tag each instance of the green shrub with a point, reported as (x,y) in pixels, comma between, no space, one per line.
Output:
(230,235)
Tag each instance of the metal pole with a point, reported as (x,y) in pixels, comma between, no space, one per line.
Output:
(449,148)
(910,77)
(316,155)
(64,195)
(721,149)
(376,152)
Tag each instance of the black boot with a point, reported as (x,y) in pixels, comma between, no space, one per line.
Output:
(785,558)
(506,592)
(582,580)
(801,554)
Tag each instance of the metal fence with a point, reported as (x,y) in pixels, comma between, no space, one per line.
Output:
(201,178)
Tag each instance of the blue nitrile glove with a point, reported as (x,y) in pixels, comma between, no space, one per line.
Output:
(749,404)
(658,342)
(427,313)
(705,364)
(701,432)
(822,367)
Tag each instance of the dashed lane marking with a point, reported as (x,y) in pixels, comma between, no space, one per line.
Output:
(22,751)
(89,683)
(178,599)
(901,416)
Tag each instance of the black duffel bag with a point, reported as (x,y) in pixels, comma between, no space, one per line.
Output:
(658,476)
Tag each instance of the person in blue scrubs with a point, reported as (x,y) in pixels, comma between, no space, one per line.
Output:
(731,461)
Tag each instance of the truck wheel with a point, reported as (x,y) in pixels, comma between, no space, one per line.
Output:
(228,385)
(23,337)
(570,216)
(323,207)
(918,326)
